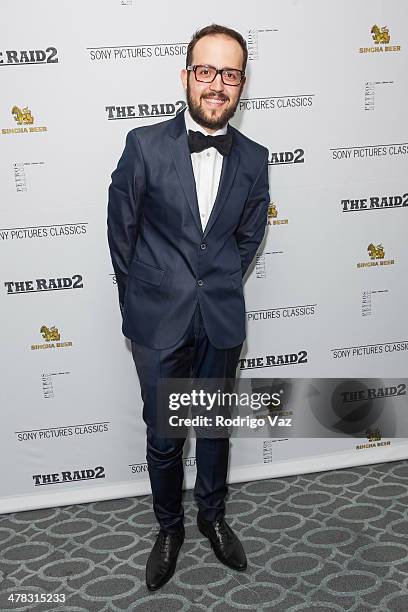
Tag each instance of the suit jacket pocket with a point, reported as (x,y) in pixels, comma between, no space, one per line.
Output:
(146,272)
(236,279)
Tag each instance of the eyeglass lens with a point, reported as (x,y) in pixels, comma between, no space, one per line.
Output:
(207,74)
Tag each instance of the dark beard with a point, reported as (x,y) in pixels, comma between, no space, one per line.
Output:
(199,117)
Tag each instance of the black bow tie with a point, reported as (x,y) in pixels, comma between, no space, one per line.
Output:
(197,142)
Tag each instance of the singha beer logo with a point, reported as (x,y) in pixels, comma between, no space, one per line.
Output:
(381,38)
(23,118)
(376,254)
(373,436)
(380,35)
(52,339)
(272,216)
(374,440)
(50,334)
(272,212)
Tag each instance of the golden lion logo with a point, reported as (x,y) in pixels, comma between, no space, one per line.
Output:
(272,212)
(22,115)
(376,252)
(373,436)
(50,334)
(380,36)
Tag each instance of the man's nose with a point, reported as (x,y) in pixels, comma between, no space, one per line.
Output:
(217,84)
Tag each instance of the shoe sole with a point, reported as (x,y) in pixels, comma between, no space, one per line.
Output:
(237,569)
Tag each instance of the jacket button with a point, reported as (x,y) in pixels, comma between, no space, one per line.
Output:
(200,283)
(203,246)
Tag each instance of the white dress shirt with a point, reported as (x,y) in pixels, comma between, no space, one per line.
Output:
(207,167)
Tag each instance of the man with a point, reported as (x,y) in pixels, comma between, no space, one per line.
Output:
(187,211)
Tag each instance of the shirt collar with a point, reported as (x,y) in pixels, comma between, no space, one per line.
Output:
(192,125)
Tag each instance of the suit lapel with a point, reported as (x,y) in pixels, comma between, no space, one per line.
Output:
(229,169)
(182,161)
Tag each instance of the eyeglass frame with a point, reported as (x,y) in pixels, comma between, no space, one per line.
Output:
(193,68)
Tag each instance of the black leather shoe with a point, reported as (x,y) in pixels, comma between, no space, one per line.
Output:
(162,560)
(226,545)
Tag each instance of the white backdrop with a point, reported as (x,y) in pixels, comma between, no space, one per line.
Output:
(325,91)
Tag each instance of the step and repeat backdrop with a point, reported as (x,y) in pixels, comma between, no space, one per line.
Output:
(326,296)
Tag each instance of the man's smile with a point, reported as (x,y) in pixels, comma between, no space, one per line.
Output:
(215,101)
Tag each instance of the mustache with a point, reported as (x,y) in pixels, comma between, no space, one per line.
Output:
(215,95)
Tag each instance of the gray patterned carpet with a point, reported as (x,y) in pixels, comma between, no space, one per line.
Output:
(323,542)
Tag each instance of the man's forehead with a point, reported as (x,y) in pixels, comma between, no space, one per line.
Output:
(217,48)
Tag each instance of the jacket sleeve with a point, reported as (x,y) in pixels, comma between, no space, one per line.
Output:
(125,200)
(251,228)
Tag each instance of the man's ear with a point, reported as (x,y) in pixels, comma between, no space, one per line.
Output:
(184,77)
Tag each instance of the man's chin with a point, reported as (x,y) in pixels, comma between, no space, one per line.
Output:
(214,115)
(215,118)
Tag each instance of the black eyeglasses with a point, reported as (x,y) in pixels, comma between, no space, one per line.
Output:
(206,74)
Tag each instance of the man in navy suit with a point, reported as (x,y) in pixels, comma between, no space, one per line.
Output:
(187,212)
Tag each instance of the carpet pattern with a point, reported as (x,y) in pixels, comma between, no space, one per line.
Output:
(322,542)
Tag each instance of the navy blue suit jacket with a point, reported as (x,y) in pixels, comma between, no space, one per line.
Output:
(163,261)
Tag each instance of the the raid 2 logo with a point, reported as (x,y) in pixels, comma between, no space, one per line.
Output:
(145,110)
(69,476)
(374,203)
(286,157)
(375,393)
(44,284)
(376,253)
(381,38)
(32,56)
(270,361)
(23,117)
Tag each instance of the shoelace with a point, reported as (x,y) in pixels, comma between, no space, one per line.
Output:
(221,529)
(164,542)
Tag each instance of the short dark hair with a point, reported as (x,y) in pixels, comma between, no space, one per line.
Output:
(211,30)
